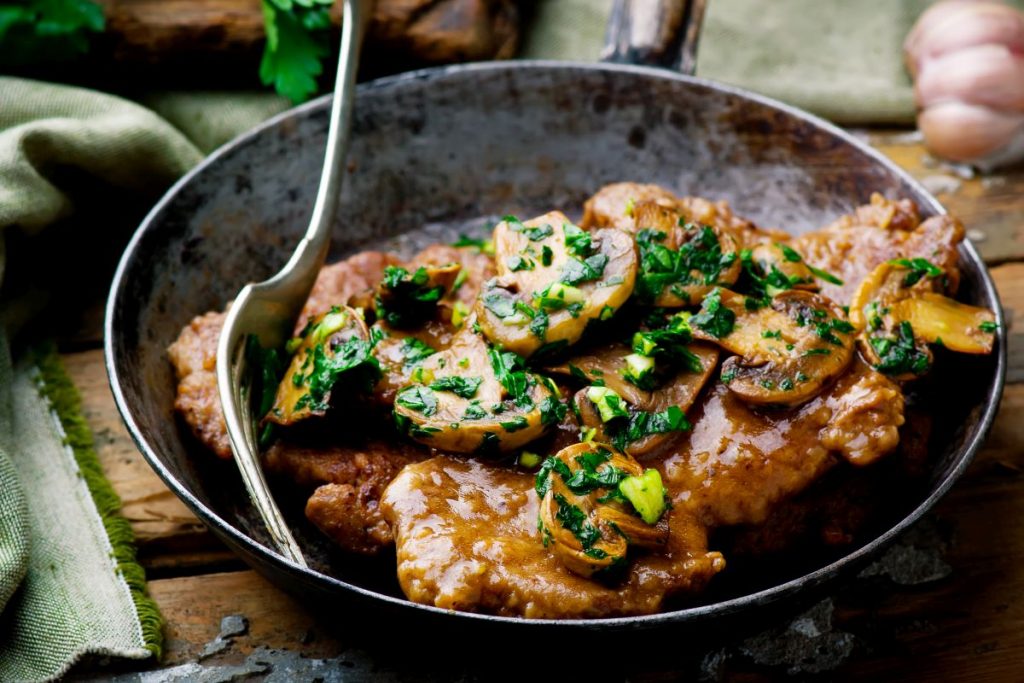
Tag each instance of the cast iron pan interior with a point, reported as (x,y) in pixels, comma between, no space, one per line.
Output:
(438,152)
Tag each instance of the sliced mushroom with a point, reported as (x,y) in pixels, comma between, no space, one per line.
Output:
(553,279)
(407,299)
(401,352)
(940,320)
(786,351)
(589,531)
(473,398)
(888,283)
(477,268)
(604,365)
(681,262)
(608,366)
(776,256)
(899,313)
(613,205)
(333,344)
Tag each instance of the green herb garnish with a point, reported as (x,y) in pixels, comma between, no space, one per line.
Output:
(464,387)
(714,318)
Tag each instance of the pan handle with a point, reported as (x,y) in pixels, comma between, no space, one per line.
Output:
(661,33)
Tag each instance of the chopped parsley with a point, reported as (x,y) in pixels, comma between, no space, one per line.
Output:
(918,267)
(534,234)
(577,240)
(354,356)
(608,403)
(418,398)
(714,318)
(699,261)
(464,387)
(546,255)
(474,411)
(594,473)
(407,299)
(557,296)
(510,369)
(517,263)
(899,355)
(989,327)
(539,324)
(414,351)
(500,302)
(515,424)
(542,482)
(576,271)
(269,367)
(485,246)
(763,286)
(552,411)
(793,256)
(642,424)
(573,519)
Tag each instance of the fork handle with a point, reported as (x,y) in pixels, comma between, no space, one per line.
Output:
(311,252)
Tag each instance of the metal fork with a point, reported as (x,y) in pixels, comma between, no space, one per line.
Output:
(268,309)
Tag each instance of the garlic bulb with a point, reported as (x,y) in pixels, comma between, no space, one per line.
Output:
(967,59)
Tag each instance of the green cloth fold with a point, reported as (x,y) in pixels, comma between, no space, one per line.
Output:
(840,60)
(69,582)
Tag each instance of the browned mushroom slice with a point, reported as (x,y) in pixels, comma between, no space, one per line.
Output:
(553,279)
(401,352)
(334,344)
(647,419)
(786,351)
(940,320)
(609,365)
(613,205)
(776,256)
(681,262)
(589,530)
(477,268)
(899,312)
(896,338)
(604,365)
(889,283)
(473,398)
(407,299)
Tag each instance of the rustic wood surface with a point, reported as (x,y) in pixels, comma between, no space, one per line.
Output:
(218,43)
(961,619)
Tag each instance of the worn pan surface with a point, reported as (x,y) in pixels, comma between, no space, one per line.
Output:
(445,149)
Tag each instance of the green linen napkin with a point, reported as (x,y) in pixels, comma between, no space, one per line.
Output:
(841,59)
(69,583)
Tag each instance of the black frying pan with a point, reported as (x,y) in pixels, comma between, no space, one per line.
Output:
(446,148)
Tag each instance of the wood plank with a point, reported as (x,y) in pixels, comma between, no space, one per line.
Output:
(989,206)
(275,619)
(169,536)
(218,43)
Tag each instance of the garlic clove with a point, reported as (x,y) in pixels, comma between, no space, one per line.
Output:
(990,75)
(966,132)
(950,26)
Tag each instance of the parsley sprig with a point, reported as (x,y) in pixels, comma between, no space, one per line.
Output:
(33,31)
(296,45)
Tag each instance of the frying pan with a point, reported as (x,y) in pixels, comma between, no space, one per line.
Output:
(434,154)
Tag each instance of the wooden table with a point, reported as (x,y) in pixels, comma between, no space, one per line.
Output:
(944,604)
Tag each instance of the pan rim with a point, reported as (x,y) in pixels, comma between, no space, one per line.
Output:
(759,598)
